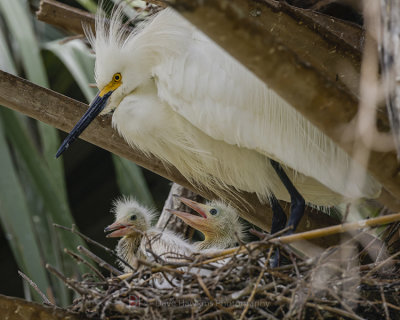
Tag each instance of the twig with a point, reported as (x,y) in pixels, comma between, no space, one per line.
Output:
(207,292)
(36,288)
(254,289)
(99,261)
(67,281)
(79,259)
(381,264)
(385,307)
(320,307)
(338,229)
(89,240)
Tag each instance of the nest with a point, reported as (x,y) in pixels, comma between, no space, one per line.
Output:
(341,282)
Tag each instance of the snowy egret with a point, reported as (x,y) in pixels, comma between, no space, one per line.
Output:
(218,222)
(178,96)
(133,224)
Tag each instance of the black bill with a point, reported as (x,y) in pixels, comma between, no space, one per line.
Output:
(96,106)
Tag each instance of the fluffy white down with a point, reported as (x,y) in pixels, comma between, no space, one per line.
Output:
(168,245)
(124,207)
(189,103)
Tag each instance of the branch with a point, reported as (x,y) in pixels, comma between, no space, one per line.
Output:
(62,112)
(64,16)
(17,309)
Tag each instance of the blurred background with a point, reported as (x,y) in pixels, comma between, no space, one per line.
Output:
(36,190)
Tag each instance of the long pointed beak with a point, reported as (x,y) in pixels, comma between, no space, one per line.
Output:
(202,223)
(119,230)
(198,207)
(196,222)
(95,107)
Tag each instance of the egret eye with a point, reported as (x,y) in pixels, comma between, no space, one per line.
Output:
(213,211)
(133,217)
(117,77)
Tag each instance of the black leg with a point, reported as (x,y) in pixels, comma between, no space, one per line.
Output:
(297,201)
(278,223)
(279,217)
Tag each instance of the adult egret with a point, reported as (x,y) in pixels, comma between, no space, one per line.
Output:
(178,96)
(218,222)
(133,224)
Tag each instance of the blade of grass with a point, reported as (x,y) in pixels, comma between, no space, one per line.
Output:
(21,28)
(6,62)
(20,24)
(16,221)
(52,199)
(131,181)
(40,229)
(89,5)
(78,60)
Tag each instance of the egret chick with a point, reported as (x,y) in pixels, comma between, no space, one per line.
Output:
(218,222)
(132,220)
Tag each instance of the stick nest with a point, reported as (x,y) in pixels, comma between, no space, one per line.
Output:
(349,281)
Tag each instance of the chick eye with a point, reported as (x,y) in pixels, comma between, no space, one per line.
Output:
(213,211)
(117,77)
(133,217)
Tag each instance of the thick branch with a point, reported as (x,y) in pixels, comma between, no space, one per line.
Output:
(62,112)
(18,309)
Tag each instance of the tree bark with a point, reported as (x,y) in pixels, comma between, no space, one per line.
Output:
(18,309)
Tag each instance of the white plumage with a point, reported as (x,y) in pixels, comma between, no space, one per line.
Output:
(133,223)
(186,101)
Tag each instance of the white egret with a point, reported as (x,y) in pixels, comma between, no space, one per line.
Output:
(218,222)
(177,95)
(133,224)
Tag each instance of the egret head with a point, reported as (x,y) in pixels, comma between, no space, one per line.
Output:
(131,219)
(217,221)
(118,71)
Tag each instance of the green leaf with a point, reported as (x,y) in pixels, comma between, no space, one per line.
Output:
(6,62)
(131,181)
(21,28)
(78,60)
(89,5)
(16,221)
(40,175)
(18,22)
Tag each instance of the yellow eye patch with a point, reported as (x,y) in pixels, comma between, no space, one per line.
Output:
(112,85)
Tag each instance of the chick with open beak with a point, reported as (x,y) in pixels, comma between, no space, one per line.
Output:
(132,220)
(218,222)
(140,239)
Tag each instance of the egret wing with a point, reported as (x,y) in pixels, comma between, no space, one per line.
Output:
(223,99)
